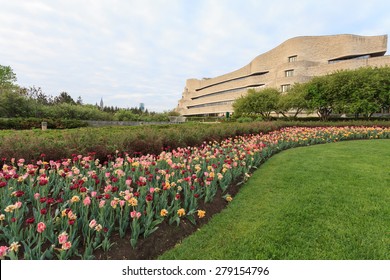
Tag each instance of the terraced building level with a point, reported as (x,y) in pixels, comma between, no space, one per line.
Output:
(296,60)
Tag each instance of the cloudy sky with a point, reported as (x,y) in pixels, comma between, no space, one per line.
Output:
(128,51)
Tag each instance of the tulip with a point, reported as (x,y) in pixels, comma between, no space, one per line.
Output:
(181,212)
(63,238)
(41,227)
(87,201)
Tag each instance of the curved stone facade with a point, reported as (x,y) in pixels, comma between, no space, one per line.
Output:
(296,60)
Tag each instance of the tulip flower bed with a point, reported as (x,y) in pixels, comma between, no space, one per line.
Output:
(77,207)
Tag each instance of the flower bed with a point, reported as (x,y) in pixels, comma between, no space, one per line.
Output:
(71,208)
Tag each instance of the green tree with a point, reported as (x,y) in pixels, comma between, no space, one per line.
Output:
(7,78)
(294,101)
(126,115)
(383,84)
(13,103)
(64,97)
(320,97)
(363,91)
(240,106)
(37,94)
(173,113)
(257,102)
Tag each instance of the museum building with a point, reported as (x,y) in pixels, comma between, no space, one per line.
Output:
(296,60)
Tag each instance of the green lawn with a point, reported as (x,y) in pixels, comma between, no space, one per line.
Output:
(327,201)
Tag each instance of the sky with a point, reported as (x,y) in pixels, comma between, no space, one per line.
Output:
(129,52)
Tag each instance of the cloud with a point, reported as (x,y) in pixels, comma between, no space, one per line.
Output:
(128,52)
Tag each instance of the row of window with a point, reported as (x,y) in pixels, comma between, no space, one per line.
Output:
(235,79)
(228,91)
(227,102)
(349,58)
(284,88)
(287,73)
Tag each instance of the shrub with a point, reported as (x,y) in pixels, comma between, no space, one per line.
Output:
(244,119)
(31,123)
(57,144)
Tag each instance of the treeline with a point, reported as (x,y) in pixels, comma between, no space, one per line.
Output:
(358,93)
(32,102)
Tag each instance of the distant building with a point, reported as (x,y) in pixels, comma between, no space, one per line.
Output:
(101,104)
(142,107)
(296,60)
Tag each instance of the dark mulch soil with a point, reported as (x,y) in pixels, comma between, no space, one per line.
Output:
(167,236)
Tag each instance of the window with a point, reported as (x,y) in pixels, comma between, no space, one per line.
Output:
(292,58)
(228,102)
(285,88)
(234,79)
(228,91)
(288,73)
(348,58)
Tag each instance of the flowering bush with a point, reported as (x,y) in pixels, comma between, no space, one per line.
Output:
(70,207)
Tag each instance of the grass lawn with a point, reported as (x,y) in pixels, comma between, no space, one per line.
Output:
(327,201)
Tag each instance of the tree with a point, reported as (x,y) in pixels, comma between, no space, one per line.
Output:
(383,84)
(7,78)
(173,113)
(64,97)
(320,99)
(295,100)
(240,106)
(262,102)
(13,103)
(362,91)
(37,94)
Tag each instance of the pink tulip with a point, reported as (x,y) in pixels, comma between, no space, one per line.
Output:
(107,188)
(63,238)
(142,179)
(135,214)
(18,204)
(113,203)
(3,251)
(87,201)
(66,245)
(93,194)
(41,227)
(92,223)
